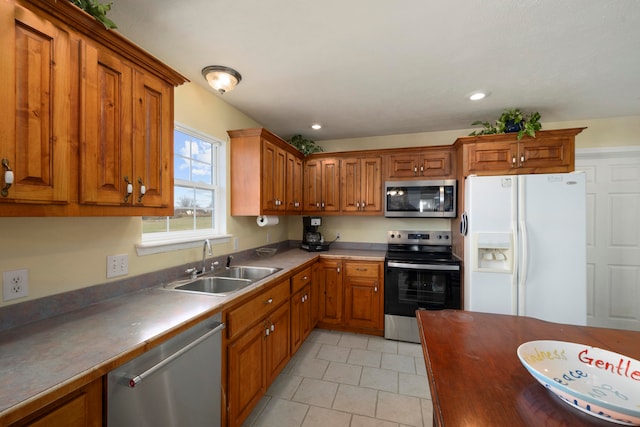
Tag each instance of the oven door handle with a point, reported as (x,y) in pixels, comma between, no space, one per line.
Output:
(441,267)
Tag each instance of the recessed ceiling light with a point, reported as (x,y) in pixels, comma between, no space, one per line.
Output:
(477,96)
(316,126)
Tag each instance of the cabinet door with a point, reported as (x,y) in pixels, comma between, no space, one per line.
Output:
(350,183)
(300,317)
(330,292)
(312,185)
(330,200)
(315,294)
(371,184)
(277,349)
(362,299)
(153,142)
(550,155)
(401,166)
(495,157)
(436,164)
(35,122)
(80,408)
(246,373)
(106,135)
(293,182)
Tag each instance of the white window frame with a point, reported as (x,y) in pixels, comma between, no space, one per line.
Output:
(167,241)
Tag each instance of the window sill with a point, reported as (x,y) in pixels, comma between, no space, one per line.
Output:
(156,246)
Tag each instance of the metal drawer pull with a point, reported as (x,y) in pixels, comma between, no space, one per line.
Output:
(138,378)
(8,178)
(129,189)
(361,269)
(269,301)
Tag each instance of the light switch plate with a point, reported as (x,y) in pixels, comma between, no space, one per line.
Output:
(117,265)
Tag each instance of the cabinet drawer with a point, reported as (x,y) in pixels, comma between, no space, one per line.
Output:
(362,269)
(300,280)
(261,305)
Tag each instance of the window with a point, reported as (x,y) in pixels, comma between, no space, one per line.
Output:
(198,198)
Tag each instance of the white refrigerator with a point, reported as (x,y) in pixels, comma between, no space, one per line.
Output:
(525,246)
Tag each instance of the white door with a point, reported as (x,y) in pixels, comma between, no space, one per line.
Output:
(613,236)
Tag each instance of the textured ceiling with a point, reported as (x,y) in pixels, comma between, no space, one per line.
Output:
(379,67)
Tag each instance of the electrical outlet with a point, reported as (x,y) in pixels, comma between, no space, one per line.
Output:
(15,284)
(117,265)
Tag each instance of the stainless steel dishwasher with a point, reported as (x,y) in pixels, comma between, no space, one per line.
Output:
(175,384)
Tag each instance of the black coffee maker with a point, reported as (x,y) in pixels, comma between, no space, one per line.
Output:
(312,240)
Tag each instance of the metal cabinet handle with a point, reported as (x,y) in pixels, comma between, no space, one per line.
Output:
(513,161)
(521,159)
(8,178)
(143,190)
(338,269)
(129,189)
(415,170)
(269,301)
(361,269)
(133,381)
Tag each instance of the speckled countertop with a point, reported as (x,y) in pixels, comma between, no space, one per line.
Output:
(74,349)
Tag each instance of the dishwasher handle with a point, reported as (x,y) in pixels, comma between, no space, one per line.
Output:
(133,381)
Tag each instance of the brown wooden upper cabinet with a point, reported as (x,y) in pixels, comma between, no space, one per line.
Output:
(551,151)
(361,185)
(420,163)
(266,174)
(322,185)
(86,117)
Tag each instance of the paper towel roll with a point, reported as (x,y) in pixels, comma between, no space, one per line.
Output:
(267,220)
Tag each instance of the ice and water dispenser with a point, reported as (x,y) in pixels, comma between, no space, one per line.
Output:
(493,252)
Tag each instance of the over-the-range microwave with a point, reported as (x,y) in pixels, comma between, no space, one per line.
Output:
(420,199)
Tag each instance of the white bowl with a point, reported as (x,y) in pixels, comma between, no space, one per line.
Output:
(599,382)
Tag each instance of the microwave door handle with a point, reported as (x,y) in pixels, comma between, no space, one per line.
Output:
(438,267)
(441,198)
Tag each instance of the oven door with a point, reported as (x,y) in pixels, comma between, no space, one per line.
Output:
(414,286)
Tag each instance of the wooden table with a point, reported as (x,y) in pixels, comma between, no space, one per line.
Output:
(476,378)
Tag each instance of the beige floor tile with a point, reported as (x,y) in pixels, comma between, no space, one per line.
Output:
(356,400)
(365,358)
(253,416)
(353,341)
(398,362)
(284,386)
(343,373)
(427,412)
(421,368)
(409,349)
(400,409)
(413,385)
(324,336)
(309,368)
(316,392)
(281,413)
(308,349)
(322,417)
(379,379)
(333,353)
(360,421)
(382,345)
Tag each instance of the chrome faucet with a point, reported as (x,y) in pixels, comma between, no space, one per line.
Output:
(206,246)
(229,258)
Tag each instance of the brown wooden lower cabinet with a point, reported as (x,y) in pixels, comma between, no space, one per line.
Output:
(351,295)
(80,408)
(258,347)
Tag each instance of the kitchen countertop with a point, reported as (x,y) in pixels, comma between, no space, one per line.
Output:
(41,361)
(476,378)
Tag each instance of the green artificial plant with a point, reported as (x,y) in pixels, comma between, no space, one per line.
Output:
(304,145)
(97,10)
(526,124)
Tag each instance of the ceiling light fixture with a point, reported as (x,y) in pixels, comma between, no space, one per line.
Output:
(222,79)
(316,126)
(477,96)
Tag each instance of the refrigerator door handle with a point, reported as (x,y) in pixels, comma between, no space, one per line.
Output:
(522,225)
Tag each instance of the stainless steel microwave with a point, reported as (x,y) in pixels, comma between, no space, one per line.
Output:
(420,199)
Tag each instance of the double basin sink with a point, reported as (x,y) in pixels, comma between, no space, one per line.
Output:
(224,282)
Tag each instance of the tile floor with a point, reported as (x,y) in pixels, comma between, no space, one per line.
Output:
(342,379)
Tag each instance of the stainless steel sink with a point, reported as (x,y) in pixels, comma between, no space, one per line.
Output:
(226,281)
(214,285)
(247,272)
